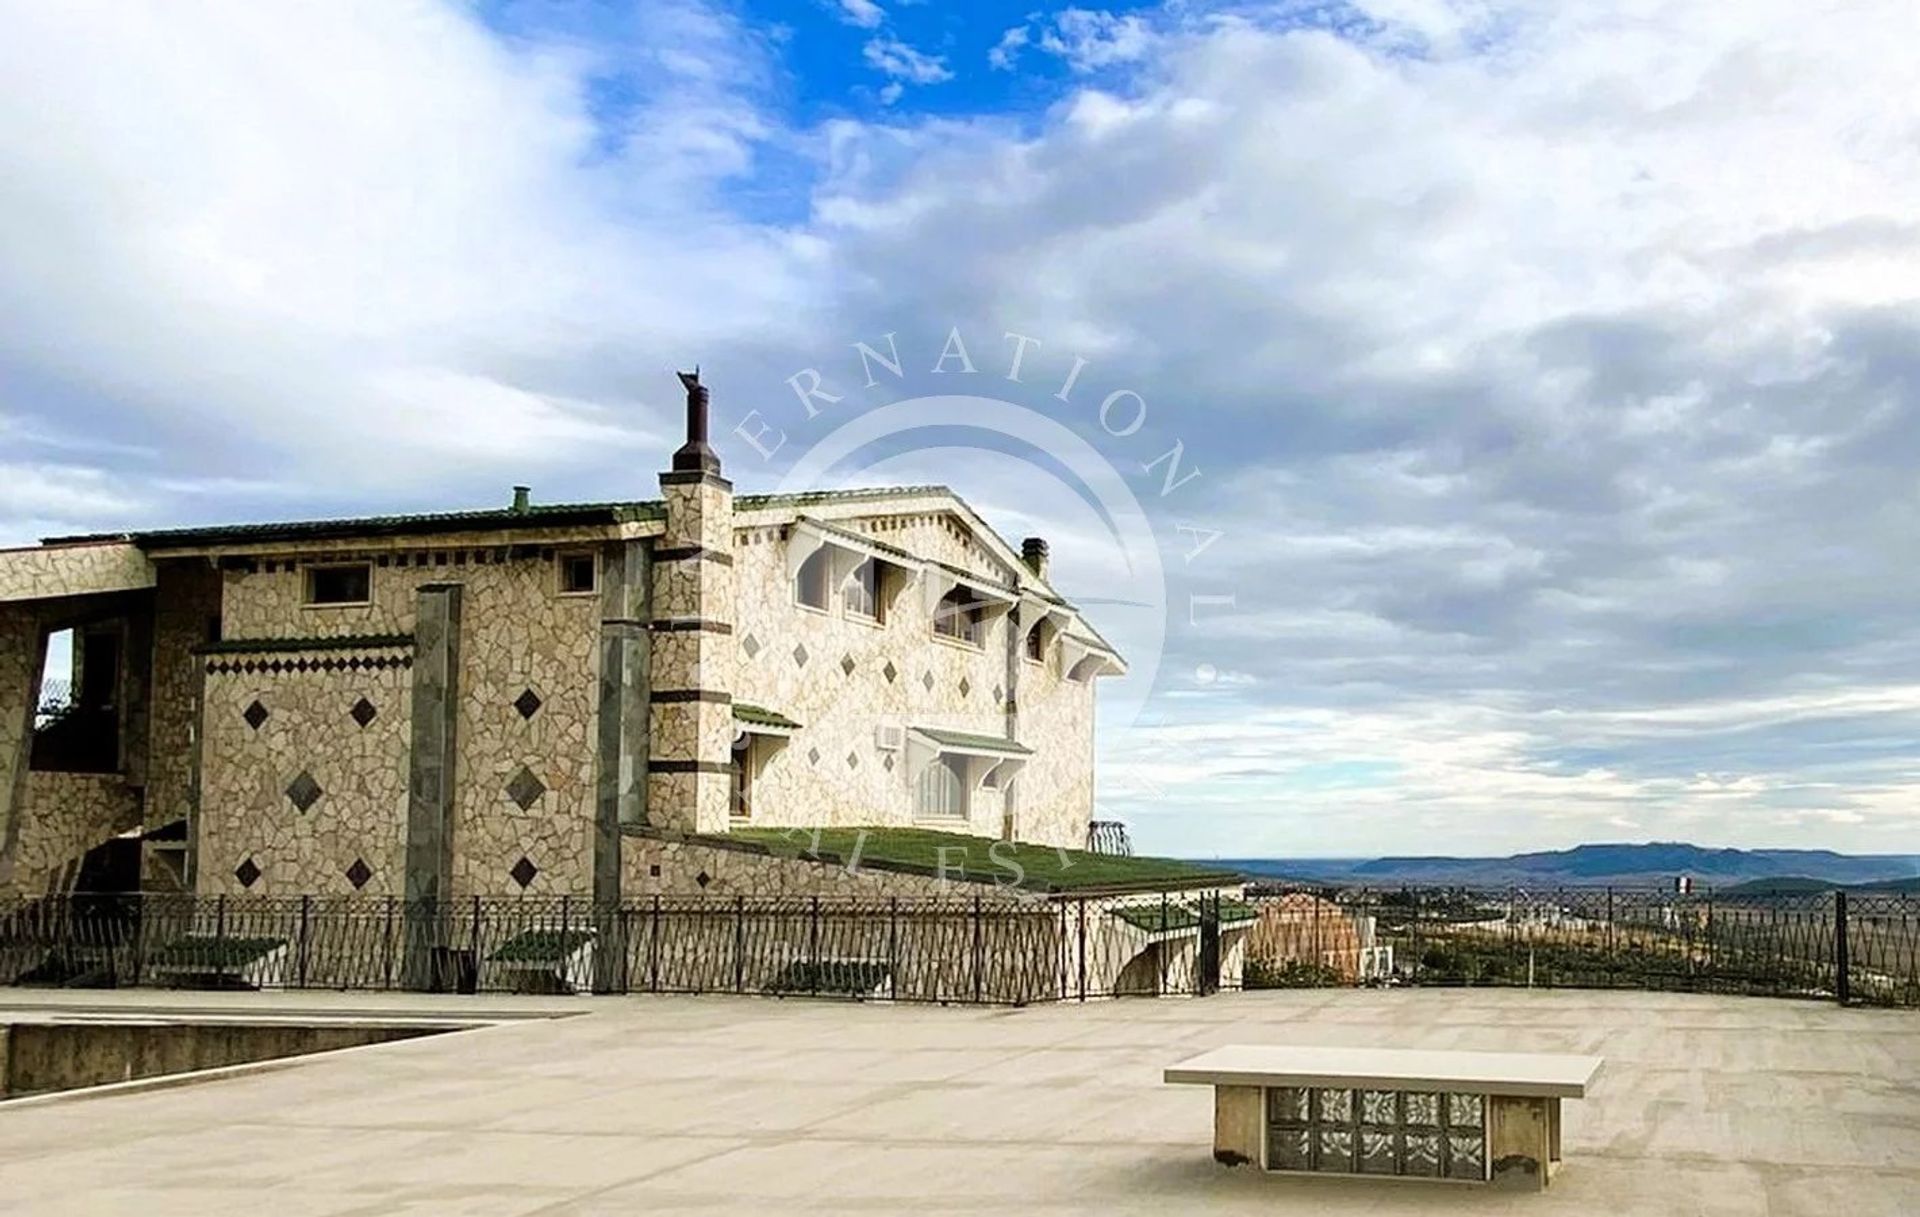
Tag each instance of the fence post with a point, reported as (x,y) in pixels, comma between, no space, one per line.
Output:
(475,945)
(1083,948)
(739,944)
(813,946)
(1842,983)
(306,930)
(1414,904)
(140,906)
(386,945)
(893,947)
(220,937)
(978,950)
(566,941)
(1612,960)
(653,948)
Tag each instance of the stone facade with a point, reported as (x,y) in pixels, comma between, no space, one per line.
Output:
(51,572)
(493,703)
(23,653)
(73,812)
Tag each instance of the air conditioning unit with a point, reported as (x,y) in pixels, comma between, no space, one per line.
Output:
(889,738)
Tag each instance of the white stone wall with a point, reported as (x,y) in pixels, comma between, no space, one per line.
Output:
(841,677)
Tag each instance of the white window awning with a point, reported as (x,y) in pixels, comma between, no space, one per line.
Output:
(939,579)
(985,755)
(850,549)
(1098,660)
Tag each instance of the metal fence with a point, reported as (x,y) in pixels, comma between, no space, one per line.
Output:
(998,951)
(1859,946)
(1848,946)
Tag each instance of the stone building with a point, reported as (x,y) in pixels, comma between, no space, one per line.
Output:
(592,699)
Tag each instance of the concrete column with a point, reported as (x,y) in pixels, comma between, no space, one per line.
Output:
(23,658)
(691,736)
(620,769)
(428,883)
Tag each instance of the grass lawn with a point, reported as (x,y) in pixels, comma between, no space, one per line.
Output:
(969,859)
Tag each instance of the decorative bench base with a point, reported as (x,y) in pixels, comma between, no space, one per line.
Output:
(1466,1117)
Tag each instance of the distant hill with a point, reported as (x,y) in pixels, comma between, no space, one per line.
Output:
(1653,862)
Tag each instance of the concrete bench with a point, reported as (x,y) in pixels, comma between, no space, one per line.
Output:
(1483,1117)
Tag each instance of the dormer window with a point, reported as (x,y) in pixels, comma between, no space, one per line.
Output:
(960,616)
(811,585)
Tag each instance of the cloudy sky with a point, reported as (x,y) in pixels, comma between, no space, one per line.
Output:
(1549,367)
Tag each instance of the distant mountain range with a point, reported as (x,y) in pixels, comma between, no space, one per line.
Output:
(1654,862)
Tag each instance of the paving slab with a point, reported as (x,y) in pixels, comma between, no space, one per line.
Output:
(720,1105)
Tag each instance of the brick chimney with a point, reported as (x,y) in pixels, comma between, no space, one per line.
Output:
(1033,551)
(691,722)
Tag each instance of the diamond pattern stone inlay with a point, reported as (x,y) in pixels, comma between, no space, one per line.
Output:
(813,756)
(247,873)
(359,873)
(853,762)
(524,870)
(528,704)
(966,689)
(846,664)
(890,672)
(255,714)
(304,791)
(750,645)
(525,790)
(887,762)
(800,654)
(363,712)
(703,878)
(926,681)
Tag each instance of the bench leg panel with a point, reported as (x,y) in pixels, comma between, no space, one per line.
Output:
(1520,1141)
(1239,1125)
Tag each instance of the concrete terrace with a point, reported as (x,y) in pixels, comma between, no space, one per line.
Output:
(727,1105)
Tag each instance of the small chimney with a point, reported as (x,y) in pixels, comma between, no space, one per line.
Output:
(522,500)
(1033,551)
(695,456)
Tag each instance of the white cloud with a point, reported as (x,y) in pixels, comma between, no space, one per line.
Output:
(1006,52)
(1090,39)
(903,63)
(862,13)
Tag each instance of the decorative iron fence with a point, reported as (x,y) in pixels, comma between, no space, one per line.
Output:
(1859,946)
(973,950)
(1847,946)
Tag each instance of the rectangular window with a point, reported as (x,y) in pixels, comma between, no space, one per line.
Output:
(579,574)
(941,793)
(340,584)
(861,593)
(959,616)
(810,585)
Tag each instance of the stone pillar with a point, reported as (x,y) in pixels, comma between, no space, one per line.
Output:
(186,612)
(436,712)
(689,775)
(689,772)
(23,658)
